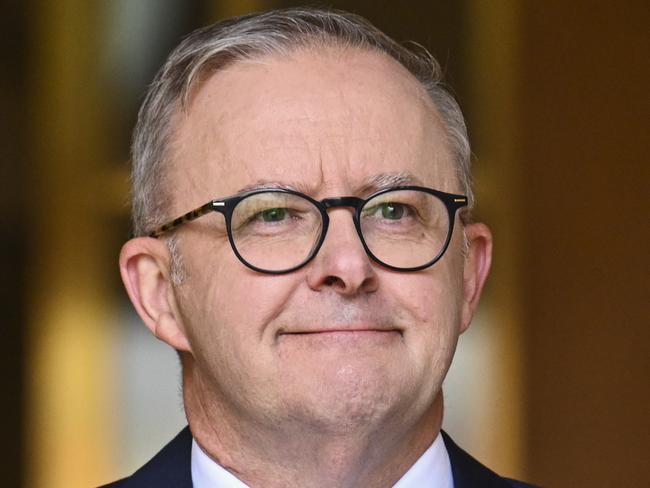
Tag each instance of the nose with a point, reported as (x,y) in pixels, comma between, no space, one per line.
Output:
(342,263)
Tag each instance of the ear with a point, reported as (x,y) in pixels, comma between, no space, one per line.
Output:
(144,266)
(477,267)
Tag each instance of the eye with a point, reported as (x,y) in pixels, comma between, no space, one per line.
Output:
(273,214)
(392,211)
(388,211)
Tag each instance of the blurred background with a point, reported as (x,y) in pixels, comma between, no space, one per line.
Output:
(551,382)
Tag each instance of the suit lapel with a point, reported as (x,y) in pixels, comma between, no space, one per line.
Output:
(170,468)
(468,472)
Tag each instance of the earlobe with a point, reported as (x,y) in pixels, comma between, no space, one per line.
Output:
(477,268)
(144,266)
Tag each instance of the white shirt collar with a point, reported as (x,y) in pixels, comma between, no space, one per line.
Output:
(433,468)
(208,474)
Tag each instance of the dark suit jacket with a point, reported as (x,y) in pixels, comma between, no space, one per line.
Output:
(170,468)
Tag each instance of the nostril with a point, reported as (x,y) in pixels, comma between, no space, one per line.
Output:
(331,280)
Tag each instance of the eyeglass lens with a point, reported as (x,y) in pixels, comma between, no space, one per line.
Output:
(276,231)
(405,228)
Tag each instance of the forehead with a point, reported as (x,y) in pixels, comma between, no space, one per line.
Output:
(320,120)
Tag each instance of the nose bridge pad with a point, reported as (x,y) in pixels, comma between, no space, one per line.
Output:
(350,206)
(350,210)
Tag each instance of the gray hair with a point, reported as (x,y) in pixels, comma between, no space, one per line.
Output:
(214,47)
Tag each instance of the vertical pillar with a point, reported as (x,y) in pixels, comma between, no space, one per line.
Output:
(68,379)
(492,54)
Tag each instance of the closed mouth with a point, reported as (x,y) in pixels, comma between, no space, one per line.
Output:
(340,331)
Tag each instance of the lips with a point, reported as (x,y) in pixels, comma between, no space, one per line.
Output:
(336,330)
(340,330)
(339,326)
(339,319)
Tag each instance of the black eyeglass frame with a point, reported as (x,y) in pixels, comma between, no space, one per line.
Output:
(226,206)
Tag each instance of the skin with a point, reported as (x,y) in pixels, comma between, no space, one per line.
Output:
(330,375)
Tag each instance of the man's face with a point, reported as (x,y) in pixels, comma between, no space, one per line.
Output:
(341,341)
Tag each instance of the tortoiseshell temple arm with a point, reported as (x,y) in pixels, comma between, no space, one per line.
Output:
(189,216)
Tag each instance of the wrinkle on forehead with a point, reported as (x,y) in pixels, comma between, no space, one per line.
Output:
(310,122)
(370,184)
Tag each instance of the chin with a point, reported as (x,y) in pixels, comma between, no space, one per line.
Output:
(348,399)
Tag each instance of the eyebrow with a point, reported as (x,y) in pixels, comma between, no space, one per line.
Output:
(264,184)
(376,182)
(381,181)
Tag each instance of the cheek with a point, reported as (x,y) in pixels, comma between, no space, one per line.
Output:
(431,297)
(435,310)
(230,306)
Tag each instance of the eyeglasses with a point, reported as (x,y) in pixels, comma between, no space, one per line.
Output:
(275,231)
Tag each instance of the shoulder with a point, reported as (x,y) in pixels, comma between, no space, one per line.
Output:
(468,472)
(170,468)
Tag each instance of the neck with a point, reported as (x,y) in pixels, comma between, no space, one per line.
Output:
(302,453)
